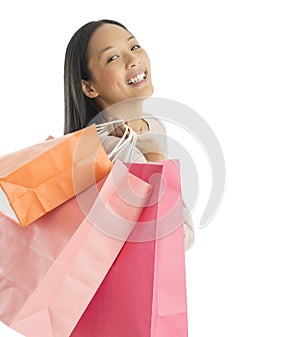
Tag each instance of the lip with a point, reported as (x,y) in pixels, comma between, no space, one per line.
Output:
(134,74)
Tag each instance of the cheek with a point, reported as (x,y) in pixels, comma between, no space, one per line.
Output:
(108,78)
(113,76)
(145,59)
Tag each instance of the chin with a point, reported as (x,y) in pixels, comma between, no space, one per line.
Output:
(149,91)
(144,94)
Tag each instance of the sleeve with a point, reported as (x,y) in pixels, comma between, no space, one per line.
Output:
(156,127)
(188,229)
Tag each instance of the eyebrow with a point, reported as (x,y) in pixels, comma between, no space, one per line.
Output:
(110,47)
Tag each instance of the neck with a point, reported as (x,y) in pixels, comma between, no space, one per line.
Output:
(130,111)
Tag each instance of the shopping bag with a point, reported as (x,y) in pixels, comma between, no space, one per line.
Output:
(35,180)
(144,293)
(49,271)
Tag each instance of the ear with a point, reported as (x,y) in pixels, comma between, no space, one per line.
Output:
(89,90)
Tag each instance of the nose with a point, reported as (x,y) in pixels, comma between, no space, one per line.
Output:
(133,61)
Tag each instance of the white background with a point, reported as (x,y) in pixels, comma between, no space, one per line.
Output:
(237,64)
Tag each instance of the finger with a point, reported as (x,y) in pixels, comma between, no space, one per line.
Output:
(117,129)
(120,130)
(111,127)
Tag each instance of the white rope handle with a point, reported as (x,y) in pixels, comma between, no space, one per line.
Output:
(128,139)
(102,128)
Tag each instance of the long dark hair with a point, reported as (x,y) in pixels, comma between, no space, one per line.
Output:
(79,109)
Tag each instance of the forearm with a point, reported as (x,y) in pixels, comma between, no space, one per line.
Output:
(188,221)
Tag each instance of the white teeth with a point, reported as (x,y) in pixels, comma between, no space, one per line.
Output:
(137,78)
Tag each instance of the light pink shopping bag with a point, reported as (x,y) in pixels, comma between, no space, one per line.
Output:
(51,269)
(144,293)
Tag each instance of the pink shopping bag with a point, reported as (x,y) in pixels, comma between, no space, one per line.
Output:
(49,271)
(144,293)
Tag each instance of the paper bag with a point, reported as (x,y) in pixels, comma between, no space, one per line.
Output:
(49,271)
(35,180)
(144,293)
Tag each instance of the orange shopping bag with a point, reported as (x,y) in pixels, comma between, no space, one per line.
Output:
(35,180)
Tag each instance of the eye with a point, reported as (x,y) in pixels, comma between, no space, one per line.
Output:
(136,46)
(112,58)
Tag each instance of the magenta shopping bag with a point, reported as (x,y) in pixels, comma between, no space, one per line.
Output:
(50,271)
(144,293)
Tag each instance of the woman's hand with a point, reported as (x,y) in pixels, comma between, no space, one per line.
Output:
(150,147)
(147,142)
(118,128)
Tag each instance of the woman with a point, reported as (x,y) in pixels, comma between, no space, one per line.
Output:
(104,67)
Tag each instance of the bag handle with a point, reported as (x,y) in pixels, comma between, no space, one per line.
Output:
(128,139)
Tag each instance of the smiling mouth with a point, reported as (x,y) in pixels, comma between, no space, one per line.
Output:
(138,78)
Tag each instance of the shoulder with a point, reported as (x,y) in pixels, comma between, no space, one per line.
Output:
(155,125)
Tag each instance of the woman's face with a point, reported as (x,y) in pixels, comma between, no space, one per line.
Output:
(119,67)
